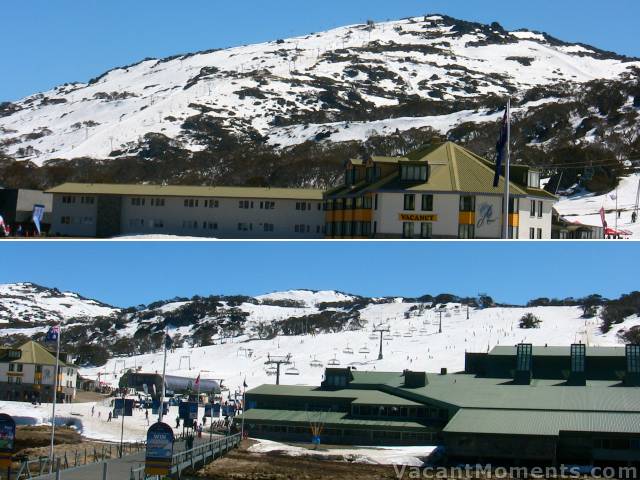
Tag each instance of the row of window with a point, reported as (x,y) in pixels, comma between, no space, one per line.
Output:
(399,411)
(351,203)
(207,225)
(409,230)
(82,199)
(350,229)
(306,206)
(426,204)
(68,220)
(346,432)
(413,173)
(533,210)
(15,367)
(535,233)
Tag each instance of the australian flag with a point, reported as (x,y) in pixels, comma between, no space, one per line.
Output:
(53,334)
(168,342)
(501,146)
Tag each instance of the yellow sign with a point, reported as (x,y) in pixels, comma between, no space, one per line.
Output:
(417,217)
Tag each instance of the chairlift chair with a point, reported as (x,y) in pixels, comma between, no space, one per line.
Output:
(396,334)
(271,370)
(407,334)
(292,370)
(315,363)
(348,350)
(333,362)
(387,336)
(373,336)
(364,350)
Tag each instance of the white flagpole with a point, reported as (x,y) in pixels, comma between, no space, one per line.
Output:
(505,204)
(55,395)
(164,371)
(244,389)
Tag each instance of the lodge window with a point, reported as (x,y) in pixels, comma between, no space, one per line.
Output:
(540,209)
(190,224)
(137,201)
(87,200)
(532,208)
(425,229)
(303,206)
(190,202)
(366,229)
(427,203)
(373,173)
(301,228)
(467,203)
(366,202)
(210,225)
(157,223)
(211,203)
(65,220)
(348,203)
(407,229)
(359,202)
(157,202)
(633,358)
(532,233)
(245,227)
(376,202)
(267,227)
(466,231)
(533,179)
(578,353)
(350,176)
(267,205)
(245,204)
(409,202)
(412,173)
(539,234)
(328,205)
(68,199)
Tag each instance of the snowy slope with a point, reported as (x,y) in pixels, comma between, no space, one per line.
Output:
(414,343)
(256,87)
(27,302)
(585,207)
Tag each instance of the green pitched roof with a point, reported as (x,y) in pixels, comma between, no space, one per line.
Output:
(187,191)
(328,419)
(368,397)
(526,422)
(34,353)
(452,169)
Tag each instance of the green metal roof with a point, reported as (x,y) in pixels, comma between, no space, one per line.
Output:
(368,397)
(187,191)
(328,418)
(525,422)
(553,351)
(452,169)
(466,391)
(34,353)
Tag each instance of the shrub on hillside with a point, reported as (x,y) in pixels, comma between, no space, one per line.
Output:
(529,320)
(630,336)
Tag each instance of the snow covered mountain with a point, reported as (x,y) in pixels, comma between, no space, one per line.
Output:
(431,74)
(31,304)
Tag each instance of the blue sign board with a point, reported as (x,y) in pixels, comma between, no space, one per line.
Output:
(207,410)
(155,406)
(7,433)
(193,410)
(159,449)
(216,409)
(118,404)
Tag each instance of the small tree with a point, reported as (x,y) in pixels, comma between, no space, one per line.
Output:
(529,320)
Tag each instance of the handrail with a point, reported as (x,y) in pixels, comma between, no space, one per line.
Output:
(197,455)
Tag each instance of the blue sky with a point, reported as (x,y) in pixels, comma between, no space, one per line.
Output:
(130,273)
(44,43)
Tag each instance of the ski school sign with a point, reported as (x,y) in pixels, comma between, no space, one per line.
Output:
(159,449)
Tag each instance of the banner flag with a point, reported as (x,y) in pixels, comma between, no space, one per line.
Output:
(38,214)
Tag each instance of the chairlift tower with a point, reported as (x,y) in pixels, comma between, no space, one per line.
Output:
(276,361)
(381,329)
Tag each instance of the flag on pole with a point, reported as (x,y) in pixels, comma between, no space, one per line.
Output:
(501,146)
(168,342)
(197,382)
(53,334)
(604,220)
(3,227)
(37,215)
(244,383)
